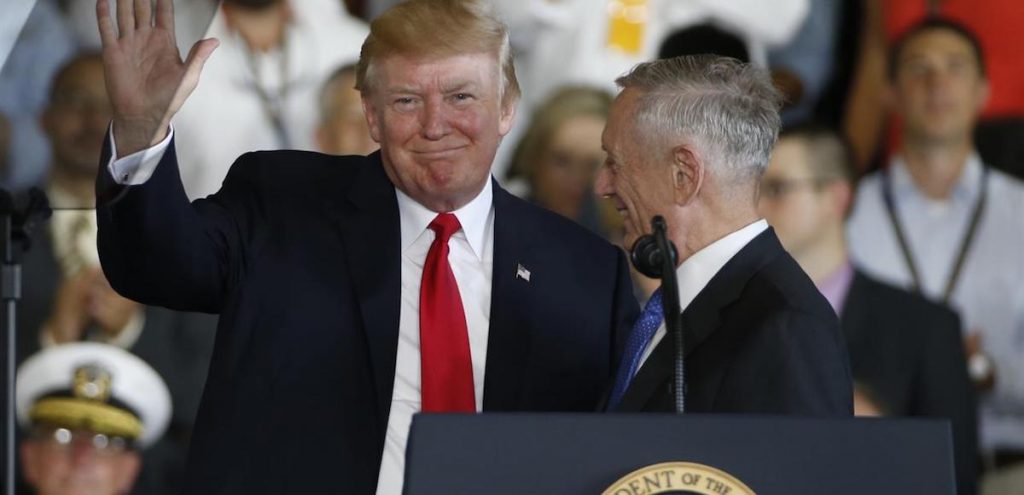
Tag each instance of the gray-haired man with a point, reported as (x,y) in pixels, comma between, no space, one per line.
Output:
(688,139)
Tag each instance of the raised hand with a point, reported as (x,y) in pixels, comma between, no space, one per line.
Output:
(147,81)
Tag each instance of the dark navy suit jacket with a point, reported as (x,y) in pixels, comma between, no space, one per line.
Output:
(909,352)
(759,338)
(299,253)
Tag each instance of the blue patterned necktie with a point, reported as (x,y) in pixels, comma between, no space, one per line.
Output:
(643,330)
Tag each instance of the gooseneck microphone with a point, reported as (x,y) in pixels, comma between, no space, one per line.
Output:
(655,256)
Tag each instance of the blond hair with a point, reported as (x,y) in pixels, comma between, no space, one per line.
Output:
(434,28)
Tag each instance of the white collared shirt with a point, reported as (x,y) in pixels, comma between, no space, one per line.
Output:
(695,273)
(990,292)
(471,251)
(471,258)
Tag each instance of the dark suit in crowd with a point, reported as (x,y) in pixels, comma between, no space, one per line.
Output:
(908,352)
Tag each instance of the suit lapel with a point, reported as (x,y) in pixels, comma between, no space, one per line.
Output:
(368,219)
(700,319)
(508,341)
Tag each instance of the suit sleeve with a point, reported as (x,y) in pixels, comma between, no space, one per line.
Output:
(157,248)
(943,389)
(796,363)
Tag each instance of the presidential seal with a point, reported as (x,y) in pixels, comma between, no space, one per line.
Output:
(678,478)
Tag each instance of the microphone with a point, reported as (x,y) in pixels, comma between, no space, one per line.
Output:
(647,253)
(655,256)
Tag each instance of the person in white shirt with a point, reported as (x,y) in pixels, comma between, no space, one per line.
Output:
(940,222)
(262,90)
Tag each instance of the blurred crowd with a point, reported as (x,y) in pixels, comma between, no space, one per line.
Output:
(895,184)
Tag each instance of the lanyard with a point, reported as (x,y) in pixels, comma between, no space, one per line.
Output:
(965,243)
(273,105)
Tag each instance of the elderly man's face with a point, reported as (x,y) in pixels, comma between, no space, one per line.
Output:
(63,462)
(633,177)
(438,122)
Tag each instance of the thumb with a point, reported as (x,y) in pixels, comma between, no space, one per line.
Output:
(198,55)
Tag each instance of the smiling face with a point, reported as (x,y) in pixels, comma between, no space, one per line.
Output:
(638,186)
(439,122)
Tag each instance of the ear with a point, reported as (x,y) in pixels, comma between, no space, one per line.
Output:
(508,115)
(984,92)
(841,194)
(688,173)
(372,119)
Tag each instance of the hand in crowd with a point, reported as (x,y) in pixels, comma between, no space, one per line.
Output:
(973,349)
(146,79)
(86,299)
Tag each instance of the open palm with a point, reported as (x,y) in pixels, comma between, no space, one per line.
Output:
(147,81)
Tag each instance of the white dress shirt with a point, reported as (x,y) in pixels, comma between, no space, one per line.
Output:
(695,273)
(470,254)
(990,293)
(471,258)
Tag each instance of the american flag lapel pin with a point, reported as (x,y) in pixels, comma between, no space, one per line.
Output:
(522,272)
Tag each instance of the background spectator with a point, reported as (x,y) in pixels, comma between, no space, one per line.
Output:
(342,129)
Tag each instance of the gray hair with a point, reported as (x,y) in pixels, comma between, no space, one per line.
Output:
(730,109)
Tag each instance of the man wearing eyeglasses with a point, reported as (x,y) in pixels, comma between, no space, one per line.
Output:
(88,410)
(905,351)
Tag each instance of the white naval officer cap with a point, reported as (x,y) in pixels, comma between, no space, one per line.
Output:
(94,387)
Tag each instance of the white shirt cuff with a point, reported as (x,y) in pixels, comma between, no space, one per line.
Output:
(136,168)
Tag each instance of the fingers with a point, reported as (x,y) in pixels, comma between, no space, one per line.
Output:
(107,35)
(125,18)
(165,15)
(143,13)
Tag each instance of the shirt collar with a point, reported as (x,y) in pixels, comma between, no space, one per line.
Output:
(836,285)
(695,273)
(473,216)
(967,187)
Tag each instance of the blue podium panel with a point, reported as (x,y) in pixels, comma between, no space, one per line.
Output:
(591,454)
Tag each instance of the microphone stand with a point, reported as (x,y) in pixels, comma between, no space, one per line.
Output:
(670,304)
(16,225)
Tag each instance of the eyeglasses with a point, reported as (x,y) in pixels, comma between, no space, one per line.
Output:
(777,188)
(65,440)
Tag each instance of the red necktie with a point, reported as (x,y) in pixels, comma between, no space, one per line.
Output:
(445,362)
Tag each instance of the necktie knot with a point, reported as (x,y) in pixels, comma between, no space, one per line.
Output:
(444,225)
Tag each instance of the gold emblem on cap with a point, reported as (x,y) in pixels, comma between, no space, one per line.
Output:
(678,477)
(92,382)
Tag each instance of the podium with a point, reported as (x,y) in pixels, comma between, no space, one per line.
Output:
(640,454)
